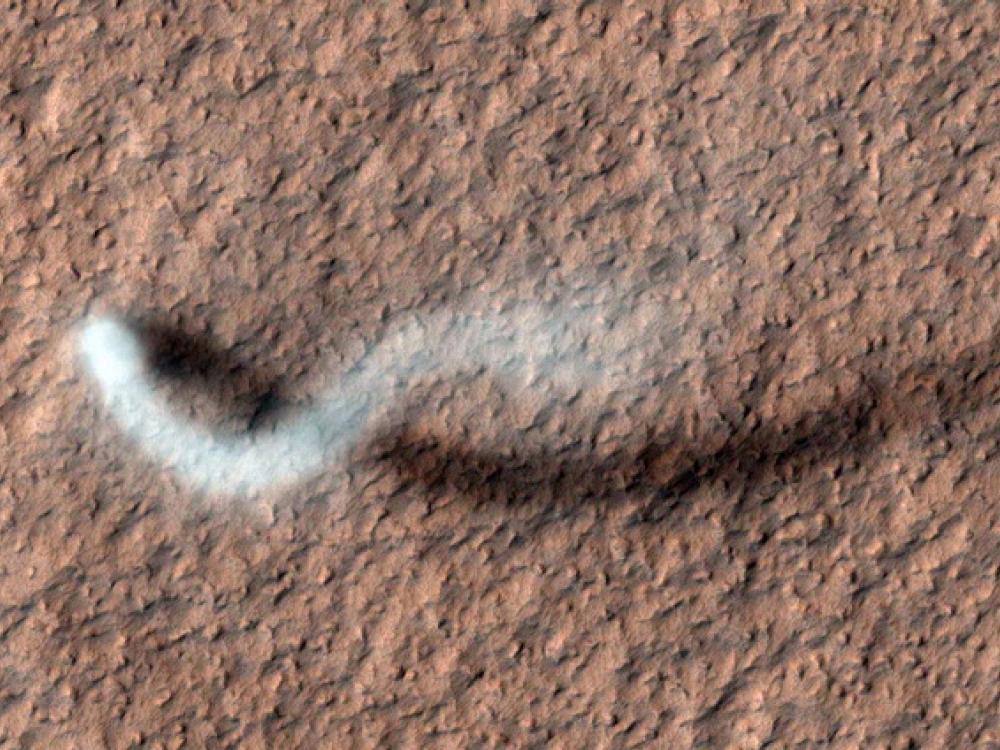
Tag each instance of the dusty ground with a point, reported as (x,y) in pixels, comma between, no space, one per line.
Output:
(792,543)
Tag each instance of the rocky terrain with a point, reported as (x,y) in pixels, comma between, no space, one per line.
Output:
(785,535)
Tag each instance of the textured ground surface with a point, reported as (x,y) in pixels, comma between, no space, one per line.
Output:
(789,540)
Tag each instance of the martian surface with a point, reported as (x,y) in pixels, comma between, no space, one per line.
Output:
(767,517)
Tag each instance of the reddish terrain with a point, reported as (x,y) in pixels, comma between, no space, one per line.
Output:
(790,539)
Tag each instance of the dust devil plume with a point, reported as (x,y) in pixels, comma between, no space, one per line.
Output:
(524,345)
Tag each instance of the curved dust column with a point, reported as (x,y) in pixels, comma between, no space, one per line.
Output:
(525,345)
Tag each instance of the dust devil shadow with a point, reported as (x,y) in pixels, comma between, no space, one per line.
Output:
(197,361)
(758,457)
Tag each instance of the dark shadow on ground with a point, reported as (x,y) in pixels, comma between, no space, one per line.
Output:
(197,361)
(758,456)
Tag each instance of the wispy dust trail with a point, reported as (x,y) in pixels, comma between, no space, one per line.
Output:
(527,346)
